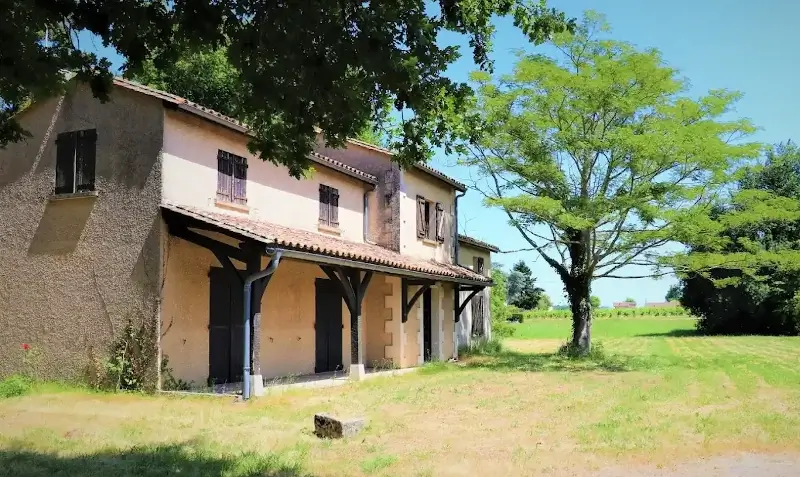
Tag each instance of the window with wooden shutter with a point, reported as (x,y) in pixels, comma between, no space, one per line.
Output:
(422,217)
(231,178)
(439,222)
(76,155)
(328,206)
(479,315)
(478,265)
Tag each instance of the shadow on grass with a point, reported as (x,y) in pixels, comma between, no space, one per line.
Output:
(532,362)
(151,461)
(672,333)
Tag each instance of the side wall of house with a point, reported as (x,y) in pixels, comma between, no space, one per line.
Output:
(190,151)
(415,183)
(74,271)
(466,258)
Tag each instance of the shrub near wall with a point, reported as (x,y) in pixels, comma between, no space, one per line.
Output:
(666,312)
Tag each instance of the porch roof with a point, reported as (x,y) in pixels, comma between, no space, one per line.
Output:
(315,245)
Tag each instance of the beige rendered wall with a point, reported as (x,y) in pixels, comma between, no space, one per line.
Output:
(416,183)
(466,256)
(374,315)
(73,272)
(190,150)
(288,314)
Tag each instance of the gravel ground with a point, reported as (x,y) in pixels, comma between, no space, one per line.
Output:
(743,465)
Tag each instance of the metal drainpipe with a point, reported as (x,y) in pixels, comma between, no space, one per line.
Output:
(248,288)
(455,262)
(366,216)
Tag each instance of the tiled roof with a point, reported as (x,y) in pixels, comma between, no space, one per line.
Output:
(303,240)
(228,121)
(421,166)
(477,243)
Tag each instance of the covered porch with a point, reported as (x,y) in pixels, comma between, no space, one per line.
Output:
(319,308)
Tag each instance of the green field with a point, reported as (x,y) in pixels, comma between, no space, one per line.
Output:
(606,328)
(651,396)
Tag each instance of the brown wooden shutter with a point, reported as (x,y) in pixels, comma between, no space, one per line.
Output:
(478,315)
(224,176)
(324,200)
(65,163)
(439,222)
(333,207)
(239,165)
(85,158)
(422,230)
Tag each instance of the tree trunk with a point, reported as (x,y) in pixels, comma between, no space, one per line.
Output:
(579,291)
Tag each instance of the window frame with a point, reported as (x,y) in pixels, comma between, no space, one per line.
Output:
(76,162)
(328,206)
(231,178)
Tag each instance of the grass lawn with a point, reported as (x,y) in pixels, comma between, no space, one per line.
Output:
(659,399)
(607,328)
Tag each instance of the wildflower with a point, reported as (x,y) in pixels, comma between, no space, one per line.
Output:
(26,347)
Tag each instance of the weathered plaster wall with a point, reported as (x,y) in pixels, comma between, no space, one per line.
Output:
(466,256)
(416,183)
(288,340)
(384,211)
(74,271)
(374,317)
(190,150)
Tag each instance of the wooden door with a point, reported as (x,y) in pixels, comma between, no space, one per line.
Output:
(328,327)
(427,309)
(226,327)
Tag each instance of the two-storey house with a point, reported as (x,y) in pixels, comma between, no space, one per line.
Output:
(150,210)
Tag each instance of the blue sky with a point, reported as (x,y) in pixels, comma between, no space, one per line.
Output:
(745,46)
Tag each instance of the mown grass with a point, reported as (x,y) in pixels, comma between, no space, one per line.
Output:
(606,328)
(526,410)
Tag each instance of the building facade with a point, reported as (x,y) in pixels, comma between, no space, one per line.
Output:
(150,210)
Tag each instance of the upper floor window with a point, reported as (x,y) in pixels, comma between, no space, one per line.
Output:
(328,206)
(430,220)
(75,161)
(231,178)
(478,265)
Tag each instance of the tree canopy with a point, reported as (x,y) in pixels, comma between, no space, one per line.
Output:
(599,158)
(522,290)
(674,293)
(299,65)
(747,298)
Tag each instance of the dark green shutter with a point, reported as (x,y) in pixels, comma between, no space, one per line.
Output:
(65,163)
(86,155)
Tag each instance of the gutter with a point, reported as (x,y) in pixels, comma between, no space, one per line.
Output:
(456,293)
(248,289)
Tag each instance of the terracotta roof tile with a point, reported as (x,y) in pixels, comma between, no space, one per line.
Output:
(477,243)
(273,234)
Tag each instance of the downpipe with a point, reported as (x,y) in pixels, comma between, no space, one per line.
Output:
(456,292)
(248,290)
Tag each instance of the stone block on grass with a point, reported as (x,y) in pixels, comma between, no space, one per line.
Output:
(329,427)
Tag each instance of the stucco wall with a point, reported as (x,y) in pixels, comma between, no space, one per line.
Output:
(466,255)
(74,271)
(416,183)
(374,316)
(190,150)
(384,210)
(288,340)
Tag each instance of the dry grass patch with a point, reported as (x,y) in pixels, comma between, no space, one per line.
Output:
(526,411)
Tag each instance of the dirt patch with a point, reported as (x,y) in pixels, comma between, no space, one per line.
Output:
(741,465)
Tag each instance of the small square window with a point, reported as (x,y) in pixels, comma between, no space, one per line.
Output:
(231,178)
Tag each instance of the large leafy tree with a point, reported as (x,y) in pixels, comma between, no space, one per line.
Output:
(758,293)
(300,65)
(599,159)
(522,290)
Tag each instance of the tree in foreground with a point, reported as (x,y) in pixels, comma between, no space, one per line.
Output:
(299,65)
(599,159)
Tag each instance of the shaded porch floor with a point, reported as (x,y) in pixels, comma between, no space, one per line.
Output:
(318,380)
